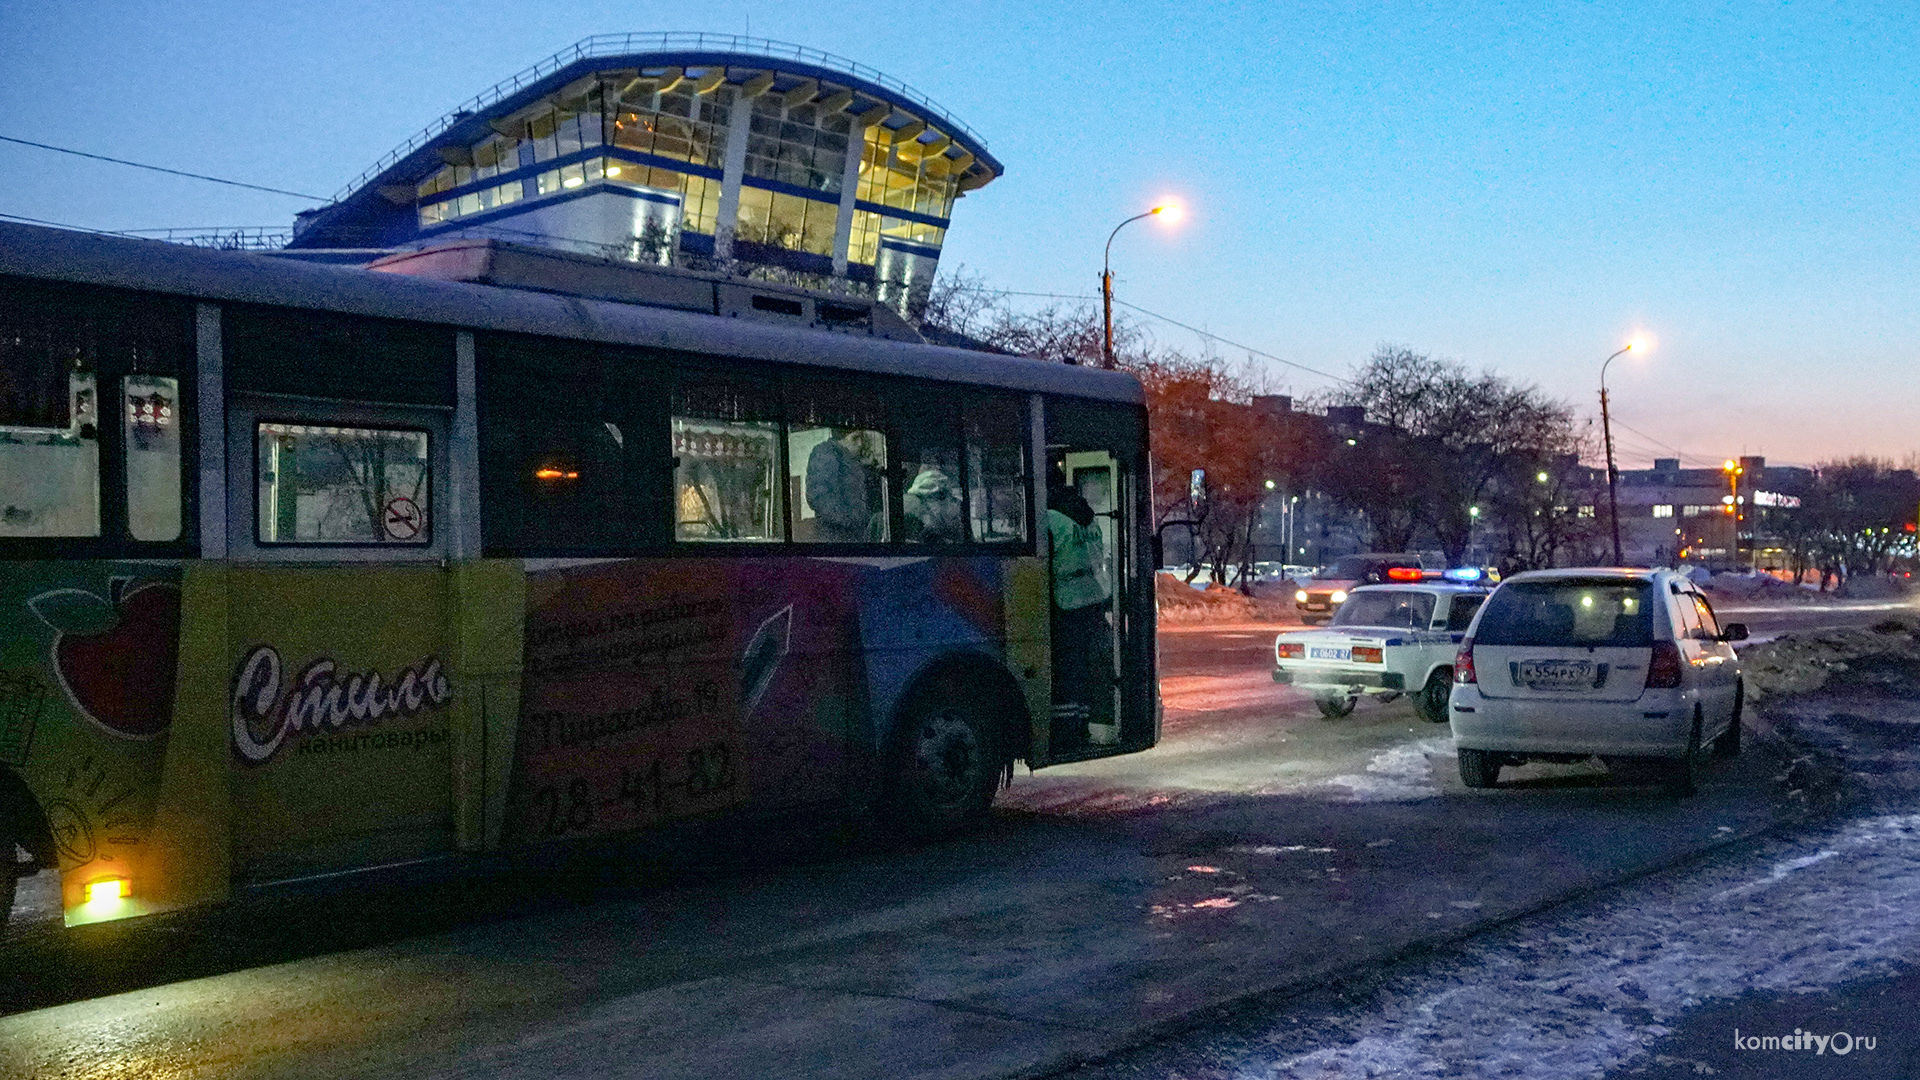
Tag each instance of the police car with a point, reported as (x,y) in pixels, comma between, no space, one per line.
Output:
(1385,640)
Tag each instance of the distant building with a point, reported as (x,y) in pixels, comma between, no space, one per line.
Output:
(695,151)
(1670,515)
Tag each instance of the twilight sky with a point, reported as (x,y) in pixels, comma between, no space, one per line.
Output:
(1518,187)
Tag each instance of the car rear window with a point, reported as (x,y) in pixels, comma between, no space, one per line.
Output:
(1611,613)
(1413,610)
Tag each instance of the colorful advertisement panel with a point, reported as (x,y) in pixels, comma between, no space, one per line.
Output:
(87,672)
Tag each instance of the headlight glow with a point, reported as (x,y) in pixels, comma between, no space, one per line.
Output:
(1339,596)
(1301,596)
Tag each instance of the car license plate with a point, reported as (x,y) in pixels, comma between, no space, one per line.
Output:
(1554,674)
(1328,652)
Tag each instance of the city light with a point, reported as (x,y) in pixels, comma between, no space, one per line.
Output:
(1169,212)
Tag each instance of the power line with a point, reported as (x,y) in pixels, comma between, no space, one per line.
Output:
(1235,344)
(1181,325)
(57,224)
(161,169)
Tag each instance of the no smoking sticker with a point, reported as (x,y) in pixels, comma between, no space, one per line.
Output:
(403,518)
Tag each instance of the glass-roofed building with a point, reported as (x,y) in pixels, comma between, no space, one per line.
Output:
(698,151)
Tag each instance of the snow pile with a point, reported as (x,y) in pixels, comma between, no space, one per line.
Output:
(1403,773)
(1756,587)
(1802,663)
(1182,603)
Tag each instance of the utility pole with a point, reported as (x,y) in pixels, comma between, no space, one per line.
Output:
(1613,474)
(1613,479)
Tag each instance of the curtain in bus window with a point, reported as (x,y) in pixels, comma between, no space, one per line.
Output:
(726,449)
(996,470)
(151,428)
(837,463)
(932,498)
(49,429)
(323,484)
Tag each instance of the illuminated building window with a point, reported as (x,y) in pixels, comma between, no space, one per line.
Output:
(1663,510)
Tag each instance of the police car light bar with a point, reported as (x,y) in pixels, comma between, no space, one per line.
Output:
(1464,573)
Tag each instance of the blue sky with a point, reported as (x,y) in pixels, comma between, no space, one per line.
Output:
(1518,187)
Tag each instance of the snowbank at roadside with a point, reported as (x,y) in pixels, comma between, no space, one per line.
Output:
(1182,603)
(1802,663)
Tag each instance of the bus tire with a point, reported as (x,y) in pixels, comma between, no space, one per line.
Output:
(945,766)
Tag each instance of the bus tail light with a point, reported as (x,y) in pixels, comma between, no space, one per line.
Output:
(1463,663)
(1368,654)
(1663,669)
(1289,650)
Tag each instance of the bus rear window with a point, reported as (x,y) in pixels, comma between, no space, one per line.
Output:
(324,484)
(1568,613)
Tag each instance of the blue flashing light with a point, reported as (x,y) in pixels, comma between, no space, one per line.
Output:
(1464,573)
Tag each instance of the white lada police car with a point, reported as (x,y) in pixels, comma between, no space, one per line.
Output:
(1385,640)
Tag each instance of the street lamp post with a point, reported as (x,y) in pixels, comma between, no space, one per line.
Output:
(1168,212)
(1613,474)
(1733,471)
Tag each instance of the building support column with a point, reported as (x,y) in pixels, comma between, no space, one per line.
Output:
(739,122)
(850,190)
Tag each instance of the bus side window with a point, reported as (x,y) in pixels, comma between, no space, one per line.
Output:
(152,435)
(932,500)
(327,484)
(996,470)
(837,463)
(726,450)
(49,422)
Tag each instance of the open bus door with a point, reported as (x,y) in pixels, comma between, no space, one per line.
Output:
(1101,630)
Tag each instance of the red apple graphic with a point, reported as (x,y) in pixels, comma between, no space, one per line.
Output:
(117,659)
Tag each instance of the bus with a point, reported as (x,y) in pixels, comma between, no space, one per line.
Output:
(309,569)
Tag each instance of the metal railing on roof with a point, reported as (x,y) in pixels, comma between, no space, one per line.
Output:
(677,40)
(227,238)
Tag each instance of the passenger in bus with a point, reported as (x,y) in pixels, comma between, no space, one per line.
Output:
(838,489)
(1080,597)
(932,504)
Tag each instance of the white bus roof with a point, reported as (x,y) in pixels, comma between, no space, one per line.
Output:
(205,274)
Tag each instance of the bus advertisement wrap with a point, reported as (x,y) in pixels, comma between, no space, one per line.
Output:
(86,705)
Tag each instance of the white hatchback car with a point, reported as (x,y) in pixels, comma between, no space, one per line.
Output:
(1561,665)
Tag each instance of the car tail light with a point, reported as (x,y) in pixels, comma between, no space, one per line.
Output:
(1663,670)
(1463,663)
(1368,654)
(1289,650)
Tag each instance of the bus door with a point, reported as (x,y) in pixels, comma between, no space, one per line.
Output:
(338,627)
(1101,644)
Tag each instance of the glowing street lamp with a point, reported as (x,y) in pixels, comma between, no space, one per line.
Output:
(1732,499)
(1167,212)
(1606,428)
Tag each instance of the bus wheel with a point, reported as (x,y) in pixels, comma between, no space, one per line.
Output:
(946,767)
